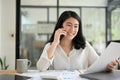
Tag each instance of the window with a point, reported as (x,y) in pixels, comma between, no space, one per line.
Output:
(93,20)
(115,24)
(38,21)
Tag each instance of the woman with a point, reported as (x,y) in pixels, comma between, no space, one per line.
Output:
(67,47)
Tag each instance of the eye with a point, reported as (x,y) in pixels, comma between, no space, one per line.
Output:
(76,26)
(69,25)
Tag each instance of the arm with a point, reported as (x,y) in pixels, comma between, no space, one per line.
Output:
(51,50)
(92,55)
(43,63)
(47,55)
(56,41)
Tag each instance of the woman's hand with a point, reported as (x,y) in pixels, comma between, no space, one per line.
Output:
(51,49)
(111,66)
(58,33)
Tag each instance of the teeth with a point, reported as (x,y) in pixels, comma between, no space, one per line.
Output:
(70,34)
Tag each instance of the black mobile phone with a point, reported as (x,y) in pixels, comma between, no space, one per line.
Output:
(61,37)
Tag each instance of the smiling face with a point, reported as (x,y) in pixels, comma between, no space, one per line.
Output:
(71,25)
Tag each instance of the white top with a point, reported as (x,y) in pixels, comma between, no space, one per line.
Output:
(77,59)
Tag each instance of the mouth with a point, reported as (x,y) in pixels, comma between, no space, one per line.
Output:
(71,34)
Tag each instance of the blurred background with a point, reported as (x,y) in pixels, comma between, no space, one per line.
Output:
(100,22)
(26,25)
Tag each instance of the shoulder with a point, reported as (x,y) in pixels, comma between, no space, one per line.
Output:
(89,47)
(47,45)
(88,44)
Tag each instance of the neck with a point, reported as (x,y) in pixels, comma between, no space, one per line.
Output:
(66,43)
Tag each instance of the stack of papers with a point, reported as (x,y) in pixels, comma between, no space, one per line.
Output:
(60,75)
(97,70)
(53,75)
(111,53)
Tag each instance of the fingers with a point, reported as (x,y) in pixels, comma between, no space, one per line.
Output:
(114,63)
(111,66)
(117,61)
(62,31)
(58,33)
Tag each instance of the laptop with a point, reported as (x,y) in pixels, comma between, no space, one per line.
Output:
(115,75)
(13,77)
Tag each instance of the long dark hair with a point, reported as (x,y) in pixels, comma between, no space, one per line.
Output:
(79,40)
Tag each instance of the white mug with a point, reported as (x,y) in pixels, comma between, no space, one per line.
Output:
(23,65)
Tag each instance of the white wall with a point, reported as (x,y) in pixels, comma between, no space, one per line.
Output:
(8,23)
(0,26)
(66,2)
(83,2)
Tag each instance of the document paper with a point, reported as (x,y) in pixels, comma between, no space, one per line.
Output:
(111,53)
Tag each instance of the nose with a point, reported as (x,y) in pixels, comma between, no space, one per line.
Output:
(72,29)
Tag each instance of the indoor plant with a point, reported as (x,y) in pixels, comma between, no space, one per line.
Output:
(3,64)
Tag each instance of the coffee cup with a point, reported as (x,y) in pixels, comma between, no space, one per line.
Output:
(23,65)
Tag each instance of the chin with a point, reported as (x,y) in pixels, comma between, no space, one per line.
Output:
(70,38)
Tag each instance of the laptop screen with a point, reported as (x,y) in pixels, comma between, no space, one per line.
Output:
(13,77)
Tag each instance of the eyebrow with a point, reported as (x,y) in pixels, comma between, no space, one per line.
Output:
(71,23)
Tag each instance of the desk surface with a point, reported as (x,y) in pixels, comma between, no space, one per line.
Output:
(8,72)
(55,74)
(36,75)
(115,75)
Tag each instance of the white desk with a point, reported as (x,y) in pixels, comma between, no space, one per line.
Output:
(61,74)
